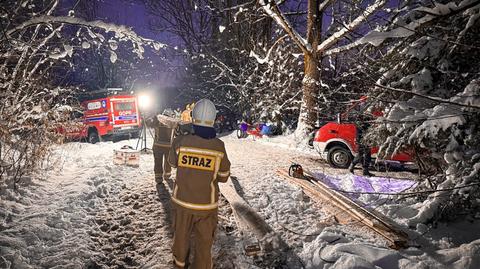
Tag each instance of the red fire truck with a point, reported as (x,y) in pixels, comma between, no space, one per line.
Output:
(110,117)
(336,141)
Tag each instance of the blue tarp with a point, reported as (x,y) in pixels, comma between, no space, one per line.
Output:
(358,187)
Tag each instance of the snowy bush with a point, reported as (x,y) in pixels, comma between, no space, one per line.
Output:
(36,47)
(430,87)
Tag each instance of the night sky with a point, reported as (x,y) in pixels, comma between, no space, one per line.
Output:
(156,74)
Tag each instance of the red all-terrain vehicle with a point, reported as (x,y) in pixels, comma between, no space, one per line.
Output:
(110,117)
(245,129)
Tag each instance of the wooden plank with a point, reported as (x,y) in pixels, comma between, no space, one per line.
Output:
(341,215)
(381,219)
(386,229)
(250,222)
(247,220)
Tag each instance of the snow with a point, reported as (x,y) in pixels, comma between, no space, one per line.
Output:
(113,44)
(57,223)
(85,45)
(370,10)
(470,95)
(122,33)
(113,57)
(62,54)
(323,254)
(376,38)
(221,28)
(442,117)
(86,211)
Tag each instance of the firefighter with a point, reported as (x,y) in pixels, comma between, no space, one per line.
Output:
(201,162)
(187,113)
(161,147)
(364,152)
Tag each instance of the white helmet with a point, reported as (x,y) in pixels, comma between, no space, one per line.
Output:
(204,113)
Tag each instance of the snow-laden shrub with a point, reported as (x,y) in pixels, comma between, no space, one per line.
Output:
(432,84)
(36,47)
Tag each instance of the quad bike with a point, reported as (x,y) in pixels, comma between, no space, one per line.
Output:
(245,129)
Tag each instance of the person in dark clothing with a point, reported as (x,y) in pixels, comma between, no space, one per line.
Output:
(161,147)
(364,155)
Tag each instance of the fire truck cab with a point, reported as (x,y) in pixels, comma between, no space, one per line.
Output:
(336,143)
(336,140)
(110,117)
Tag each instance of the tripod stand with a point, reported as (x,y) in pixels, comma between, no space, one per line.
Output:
(142,139)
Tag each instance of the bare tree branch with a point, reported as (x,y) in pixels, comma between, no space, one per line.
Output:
(376,38)
(431,98)
(351,26)
(274,12)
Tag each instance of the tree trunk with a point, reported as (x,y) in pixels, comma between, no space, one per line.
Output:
(310,90)
(311,81)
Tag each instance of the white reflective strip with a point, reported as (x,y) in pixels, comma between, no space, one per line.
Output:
(128,99)
(179,263)
(124,125)
(224,174)
(202,151)
(206,122)
(217,167)
(212,192)
(166,144)
(113,115)
(195,206)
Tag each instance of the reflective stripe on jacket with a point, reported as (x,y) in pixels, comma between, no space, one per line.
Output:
(201,164)
(163,136)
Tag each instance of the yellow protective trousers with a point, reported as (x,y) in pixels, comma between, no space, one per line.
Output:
(161,167)
(202,224)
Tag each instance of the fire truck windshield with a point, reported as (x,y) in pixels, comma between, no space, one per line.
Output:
(123,106)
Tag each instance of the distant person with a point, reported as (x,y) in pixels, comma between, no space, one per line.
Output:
(364,151)
(187,114)
(201,162)
(161,147)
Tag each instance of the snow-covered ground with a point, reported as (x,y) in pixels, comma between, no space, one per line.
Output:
(87,212)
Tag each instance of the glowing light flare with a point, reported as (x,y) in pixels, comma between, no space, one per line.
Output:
(144,101)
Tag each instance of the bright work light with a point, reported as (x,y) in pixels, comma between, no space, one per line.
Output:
(144,101)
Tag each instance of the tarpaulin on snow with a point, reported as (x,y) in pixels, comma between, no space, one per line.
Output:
(363,189)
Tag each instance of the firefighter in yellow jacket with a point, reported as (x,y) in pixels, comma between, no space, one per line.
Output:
(201,162)
(186,114)
(161,147)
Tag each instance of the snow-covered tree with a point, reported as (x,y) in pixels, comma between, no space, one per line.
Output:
(216,39)
(33,49)
(316,43)
(430,89)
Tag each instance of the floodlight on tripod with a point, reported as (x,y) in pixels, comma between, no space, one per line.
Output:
(144,105)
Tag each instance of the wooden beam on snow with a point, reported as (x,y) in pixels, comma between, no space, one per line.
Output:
(250,222)
(377,222)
